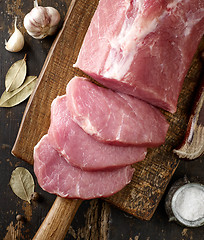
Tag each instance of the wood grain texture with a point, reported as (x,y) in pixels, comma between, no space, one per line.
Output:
(152,175)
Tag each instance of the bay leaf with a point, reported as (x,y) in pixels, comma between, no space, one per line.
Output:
(16,75)
(22,183)
(10,99)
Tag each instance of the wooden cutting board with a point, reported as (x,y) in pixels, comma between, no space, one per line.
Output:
(141,197)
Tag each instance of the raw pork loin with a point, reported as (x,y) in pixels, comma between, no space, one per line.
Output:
(57,176)
(82,150)
(113,117)
(143,48)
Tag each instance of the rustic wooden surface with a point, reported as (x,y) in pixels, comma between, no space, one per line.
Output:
(95,219)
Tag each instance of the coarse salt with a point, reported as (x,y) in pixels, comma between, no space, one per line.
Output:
(189,203)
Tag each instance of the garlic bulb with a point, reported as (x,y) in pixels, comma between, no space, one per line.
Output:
(16,41)
(41,21)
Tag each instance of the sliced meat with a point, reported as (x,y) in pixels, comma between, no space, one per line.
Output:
(56,175)
(82,150)
(114,118)
(143,48)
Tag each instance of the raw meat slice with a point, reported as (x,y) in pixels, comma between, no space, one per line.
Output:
(56,175)
(145,48)
(82,150)
(114,118)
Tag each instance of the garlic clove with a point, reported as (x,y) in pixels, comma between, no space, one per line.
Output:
(37,23)
(54,15)
(52,30)
(55,18)
(38,17)
(16,41)
(41,21)
(37,35)
(33,22)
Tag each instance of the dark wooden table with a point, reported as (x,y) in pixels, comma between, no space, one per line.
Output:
(95,219)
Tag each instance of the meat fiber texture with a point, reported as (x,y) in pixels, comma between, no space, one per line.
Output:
(113,117)
(56,175)
(82,150)
(143,47)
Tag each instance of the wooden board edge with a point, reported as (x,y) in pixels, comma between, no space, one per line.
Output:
(149,216)
(14,151)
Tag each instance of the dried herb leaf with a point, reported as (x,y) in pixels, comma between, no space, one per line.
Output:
(10,99)
(16,75)
(22,183)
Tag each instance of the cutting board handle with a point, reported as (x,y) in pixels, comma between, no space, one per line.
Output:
(58,219)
